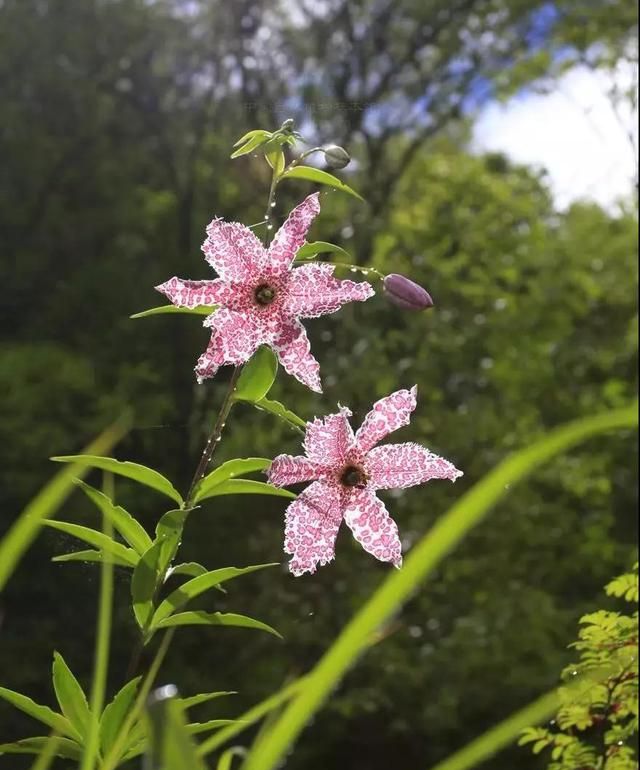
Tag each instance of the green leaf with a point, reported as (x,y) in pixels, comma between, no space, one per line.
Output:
(258,375)
(175,310)
(170,745)
(229,470)
(247,487)
(139,473)
(229,755)
(44,714)
(276,160)
(251,134)
(115,713)
(200,618)
(204,697)
(70,695)
(279,410)
(99,557)
(310,250)
(169,532)
(195,728)
(199,585)
(130,529)
(258,138)
(96,539)
(321,177)
(190,568)
(64,747)
(144,582)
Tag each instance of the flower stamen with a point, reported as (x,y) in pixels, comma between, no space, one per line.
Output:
(352,476)
(264,294)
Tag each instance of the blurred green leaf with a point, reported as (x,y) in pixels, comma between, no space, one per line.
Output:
(99,556)
(321,177)
(204,697)
(170,746)
(254,141)
(310,250)
(64,747)
(140,473)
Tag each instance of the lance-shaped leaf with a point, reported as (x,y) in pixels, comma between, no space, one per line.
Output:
(130,529)
(144,582)
(229,470)
(247,487)
(204,697)
(190,568)
(321,177)
(64,748)
(169,532)
(115,713)
(310,250)
(258,375)
(281,411)
(195,728)
(250,141)
(198,618)
(175,310)
(199,585)
(96,539)
(70,695)
(134,471)
(99,557)
(44,714)
(170,745)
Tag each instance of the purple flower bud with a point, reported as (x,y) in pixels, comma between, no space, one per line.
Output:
(405,293)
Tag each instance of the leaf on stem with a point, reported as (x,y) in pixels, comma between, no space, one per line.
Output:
(258,375)
(70,695)
(97,539)
(321,177)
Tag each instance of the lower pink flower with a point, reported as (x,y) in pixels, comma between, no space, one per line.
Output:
(347,469)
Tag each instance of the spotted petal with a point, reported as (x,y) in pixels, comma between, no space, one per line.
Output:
(291,235)
(311,525)
(232,250)
(388,414)
(372,526)
(329,439)
(291,345)
(189,293)
(313,291)
(235,338)
(211,360)
(394,466)
(286,469)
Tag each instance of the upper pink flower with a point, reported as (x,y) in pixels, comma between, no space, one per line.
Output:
(260,296)
(348,470)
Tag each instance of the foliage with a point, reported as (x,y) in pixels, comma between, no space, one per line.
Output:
(597,728)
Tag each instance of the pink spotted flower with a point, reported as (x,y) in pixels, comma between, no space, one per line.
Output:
(347,470)
(261,297)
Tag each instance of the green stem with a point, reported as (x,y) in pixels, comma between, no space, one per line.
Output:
(103,643)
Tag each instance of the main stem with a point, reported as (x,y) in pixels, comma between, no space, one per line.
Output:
(214,436)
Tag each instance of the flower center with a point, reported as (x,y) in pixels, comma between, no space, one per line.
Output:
(352,476)
(264,294)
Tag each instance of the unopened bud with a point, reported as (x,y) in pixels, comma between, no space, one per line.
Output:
(405,293)
(336,157)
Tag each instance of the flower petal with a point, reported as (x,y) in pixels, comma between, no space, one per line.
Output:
(235,338)
(312,522)
(394,466)
(286,469)
(291,235)
(232,250)
(189,293)
(329,439)
(388,414)
(294,353)
(313,291)
(372,526)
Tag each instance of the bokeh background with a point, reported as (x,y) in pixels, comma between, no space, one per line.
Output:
(494,142)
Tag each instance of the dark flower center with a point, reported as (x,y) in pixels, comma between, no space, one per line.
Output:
(264,294)
(352,476)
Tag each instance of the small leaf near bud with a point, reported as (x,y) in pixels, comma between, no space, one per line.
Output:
(336,157)
(406,294)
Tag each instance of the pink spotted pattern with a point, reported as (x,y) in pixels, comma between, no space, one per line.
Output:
(259,296)
(346,471)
